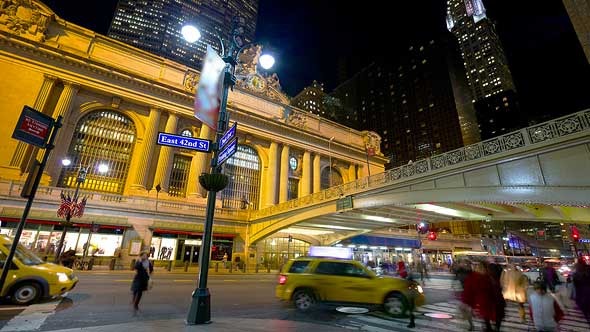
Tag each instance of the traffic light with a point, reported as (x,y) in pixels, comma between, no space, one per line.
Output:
(575,234)
(432,236)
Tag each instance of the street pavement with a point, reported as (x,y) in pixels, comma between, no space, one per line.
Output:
(239,302)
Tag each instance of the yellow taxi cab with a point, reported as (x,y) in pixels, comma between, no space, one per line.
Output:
(306,281)
(30,278)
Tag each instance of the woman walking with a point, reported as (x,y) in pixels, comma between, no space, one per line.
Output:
(143,270)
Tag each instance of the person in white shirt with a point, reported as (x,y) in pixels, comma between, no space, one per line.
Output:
(545,310)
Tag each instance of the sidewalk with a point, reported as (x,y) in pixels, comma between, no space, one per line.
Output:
(220,324)
(162,270)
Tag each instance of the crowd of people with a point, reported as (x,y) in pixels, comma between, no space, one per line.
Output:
(488,286)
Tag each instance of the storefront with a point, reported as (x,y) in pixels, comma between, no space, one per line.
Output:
(373,250)
(274,252)
(183,246)
(42,237)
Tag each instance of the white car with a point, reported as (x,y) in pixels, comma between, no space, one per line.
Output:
(534,274)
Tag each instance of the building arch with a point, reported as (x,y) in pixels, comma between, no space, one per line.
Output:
(243,189)
(102,144)
(337,178)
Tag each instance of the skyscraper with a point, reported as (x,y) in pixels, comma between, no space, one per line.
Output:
(155,25)
(408,101)
(579,12)
(486,67)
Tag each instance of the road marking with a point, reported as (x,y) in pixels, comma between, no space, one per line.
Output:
(12,308)
(230,280)
(123,280)
(183,280)
(32,317)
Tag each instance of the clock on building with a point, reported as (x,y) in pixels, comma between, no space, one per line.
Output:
(293,163)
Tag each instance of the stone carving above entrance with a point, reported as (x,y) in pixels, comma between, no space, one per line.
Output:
(372,140)
(23,17)
(191,80)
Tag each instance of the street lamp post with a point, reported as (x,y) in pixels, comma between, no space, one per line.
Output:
(80,178)
(330,159)
(200,308)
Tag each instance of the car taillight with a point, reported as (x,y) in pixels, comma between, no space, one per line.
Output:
(282,279)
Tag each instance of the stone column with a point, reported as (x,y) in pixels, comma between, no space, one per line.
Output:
(351,173)
(63,108)
(284,177)
(199,165)
(306,174)
(147,151)
(164,166)
(271,175)
(317,173)
(18,158)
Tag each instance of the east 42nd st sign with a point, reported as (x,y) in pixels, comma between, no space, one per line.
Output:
(177,141)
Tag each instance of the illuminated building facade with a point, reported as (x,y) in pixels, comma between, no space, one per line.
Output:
(486,67)
(154,26)
(114,99)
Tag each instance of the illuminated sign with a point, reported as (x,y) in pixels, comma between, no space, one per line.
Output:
(176,141)
(334,252)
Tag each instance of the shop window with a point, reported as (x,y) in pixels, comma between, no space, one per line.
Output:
(179,175)
(243,170)
(101,138)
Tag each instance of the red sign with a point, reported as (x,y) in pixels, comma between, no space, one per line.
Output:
(34,127)
(370,151)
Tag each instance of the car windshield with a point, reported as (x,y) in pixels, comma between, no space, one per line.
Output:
(25,256)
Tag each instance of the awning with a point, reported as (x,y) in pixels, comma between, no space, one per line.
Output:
(384,241)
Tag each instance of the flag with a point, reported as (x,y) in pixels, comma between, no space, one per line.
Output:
(209,91)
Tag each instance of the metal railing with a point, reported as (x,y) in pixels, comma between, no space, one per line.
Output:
(526,137)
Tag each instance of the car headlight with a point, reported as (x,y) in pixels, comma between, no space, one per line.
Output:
(420,290)
(62,277)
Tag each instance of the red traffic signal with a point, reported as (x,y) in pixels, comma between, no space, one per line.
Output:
(575,233)
(432,236)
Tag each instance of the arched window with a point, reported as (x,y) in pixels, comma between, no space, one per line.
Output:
(186,133)
(243,170)
(105,139)
(336,178)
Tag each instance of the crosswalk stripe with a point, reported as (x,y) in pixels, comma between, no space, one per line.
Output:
(574,321)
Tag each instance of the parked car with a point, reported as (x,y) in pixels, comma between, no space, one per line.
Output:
(30,279)
(306,281)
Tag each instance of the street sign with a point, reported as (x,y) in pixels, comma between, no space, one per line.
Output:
(227,152)
(228,136)
(344,203)
(177,141)
(33,127)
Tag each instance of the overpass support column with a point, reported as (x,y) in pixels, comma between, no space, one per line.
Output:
(284,177)
(306,176)
(317,176)
(271,175)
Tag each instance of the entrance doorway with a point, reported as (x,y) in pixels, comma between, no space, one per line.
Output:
(189,251)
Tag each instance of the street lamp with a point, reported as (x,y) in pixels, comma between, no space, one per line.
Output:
(330,157)
(70,207)
(200,309)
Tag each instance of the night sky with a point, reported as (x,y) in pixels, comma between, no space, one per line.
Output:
(330,40)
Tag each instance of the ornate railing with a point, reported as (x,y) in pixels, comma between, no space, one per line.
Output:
(526,137)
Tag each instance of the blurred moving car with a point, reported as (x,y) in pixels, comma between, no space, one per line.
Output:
(306,281)
(30,279)
(534,273)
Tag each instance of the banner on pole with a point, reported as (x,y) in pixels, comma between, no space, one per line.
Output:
(209,91)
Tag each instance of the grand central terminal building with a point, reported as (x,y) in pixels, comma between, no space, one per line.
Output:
(114,100)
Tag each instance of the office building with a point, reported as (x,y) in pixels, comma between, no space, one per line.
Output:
(579,13)
(408,101)
(486,67)
(154,26)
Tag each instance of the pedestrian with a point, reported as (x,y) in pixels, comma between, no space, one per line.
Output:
(470,296)
(143,270)
(224,260)
(545,311)
(401,269)
(549,276)
(581,289)
(514,285)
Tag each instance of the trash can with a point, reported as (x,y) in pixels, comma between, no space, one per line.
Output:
(90,263)
(169,266)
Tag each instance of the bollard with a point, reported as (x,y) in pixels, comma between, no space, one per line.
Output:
(268,268)
(217,267)
(169,266)
(231,268)
(186,266)
(112,264)
(244,268)
(133,264)
(90,263)
(256,268)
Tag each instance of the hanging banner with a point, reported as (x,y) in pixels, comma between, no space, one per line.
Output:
(209,91)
